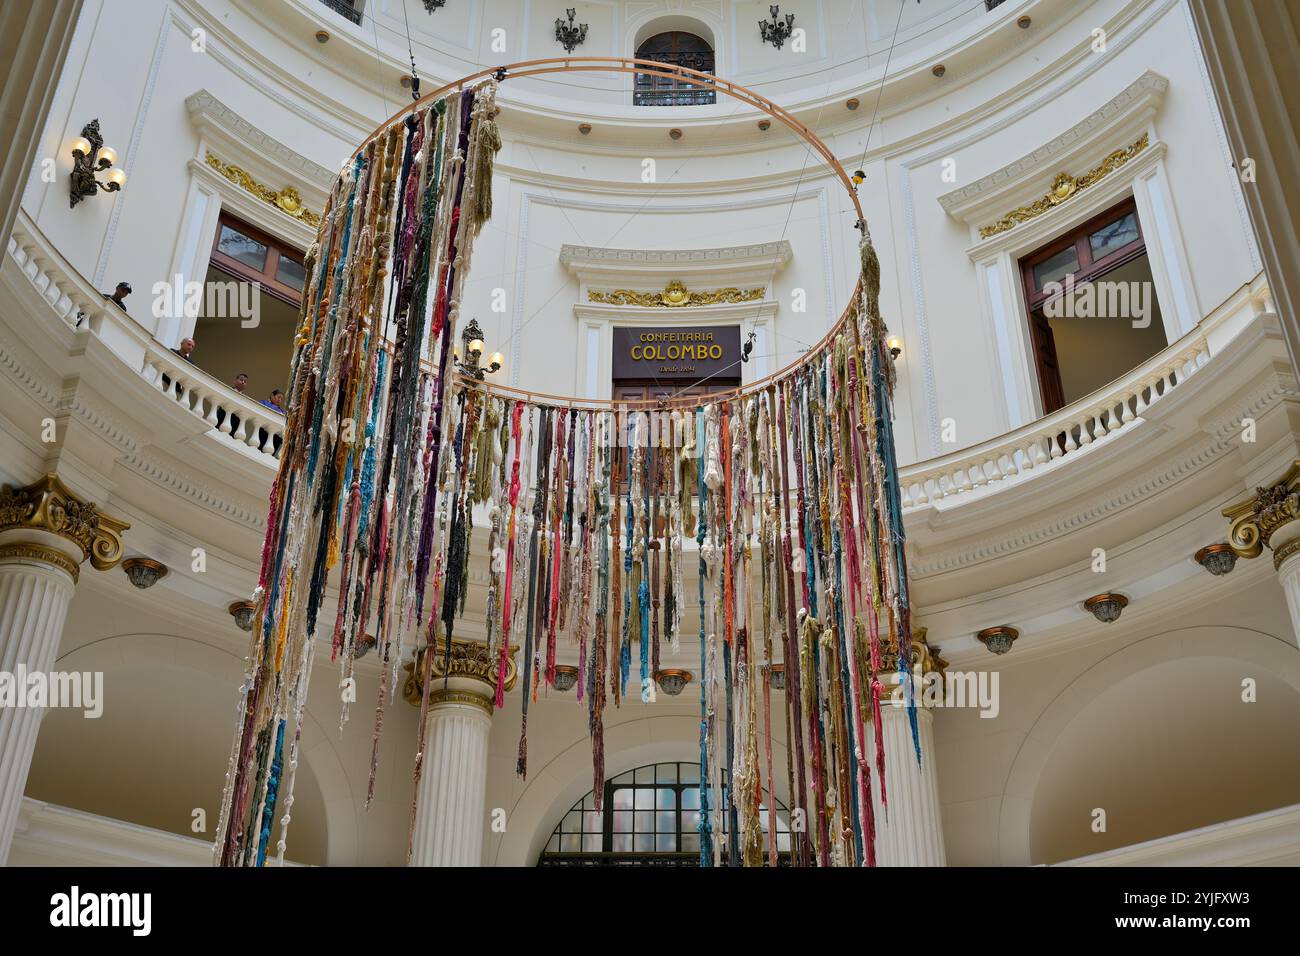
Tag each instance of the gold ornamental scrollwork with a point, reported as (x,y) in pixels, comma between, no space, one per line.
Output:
(473,660)
(1255,520)
(676,295)
(48,505)
(287,200)
(1064,186)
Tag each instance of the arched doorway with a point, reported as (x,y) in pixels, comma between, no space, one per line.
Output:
(674,48)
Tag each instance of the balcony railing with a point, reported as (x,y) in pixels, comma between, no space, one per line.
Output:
(1043,444)
(249,424)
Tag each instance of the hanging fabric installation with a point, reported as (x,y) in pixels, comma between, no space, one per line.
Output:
(396,475)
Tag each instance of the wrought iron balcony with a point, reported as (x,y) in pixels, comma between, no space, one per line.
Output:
(344,8)
(661,91)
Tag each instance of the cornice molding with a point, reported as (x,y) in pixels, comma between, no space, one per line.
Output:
(209,114)
(1094,134)
(761,254)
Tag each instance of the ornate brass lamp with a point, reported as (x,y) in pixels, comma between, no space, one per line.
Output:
(91,156)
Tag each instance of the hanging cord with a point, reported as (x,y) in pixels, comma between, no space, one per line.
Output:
(875,112)
(415,76)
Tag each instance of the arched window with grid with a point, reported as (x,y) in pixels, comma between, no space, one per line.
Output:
(650,817)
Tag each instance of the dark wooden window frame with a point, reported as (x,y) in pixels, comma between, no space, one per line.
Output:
(275,249)
(1090,269)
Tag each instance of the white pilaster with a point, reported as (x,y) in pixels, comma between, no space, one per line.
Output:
(451,804)
(34,596)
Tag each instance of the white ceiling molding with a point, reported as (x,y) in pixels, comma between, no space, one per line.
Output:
(1114,126)
(650,270)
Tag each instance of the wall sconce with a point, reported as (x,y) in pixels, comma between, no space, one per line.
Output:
(998,639)
(431,5)
(569,35)
(468,360)
(673,680)
(242,612)
(566,675)
(90,156)
(144,572)
(774,31)
(1218,559)
(1106,607)
(895,345)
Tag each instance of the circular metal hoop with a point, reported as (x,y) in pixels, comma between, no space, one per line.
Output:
(613,64)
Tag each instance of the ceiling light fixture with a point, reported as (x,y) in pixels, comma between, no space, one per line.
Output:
(1218,559)
(1106,607)
(144,572)
(998,639)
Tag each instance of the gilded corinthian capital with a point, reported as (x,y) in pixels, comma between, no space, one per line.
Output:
(1257,520)
(47,505)
(470,661)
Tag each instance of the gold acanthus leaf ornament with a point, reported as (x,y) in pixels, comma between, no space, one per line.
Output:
(1258,518)
(47,505)
(676,295)
(288,200)
(1065,186)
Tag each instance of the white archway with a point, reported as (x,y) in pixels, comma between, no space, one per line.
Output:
(325,771)
(1265,653)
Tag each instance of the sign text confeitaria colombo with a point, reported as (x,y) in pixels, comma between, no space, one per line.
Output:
(641,353)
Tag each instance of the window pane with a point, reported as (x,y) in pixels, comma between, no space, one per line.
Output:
(645,799)
(644,842)
(690,772)
(591,843)
(588,802)
(623,799)
(691,799)
(622,843)
(666,842)
(242,248)
(622,821)
(666,821)
(645,821)
(665,798)
(645,774)
(1114,236)
(553,846)
(691,842)
(666,773)
(624,777)
(591,821)
(572,822)
(1056,268)
(570,843)
(290,273)
(690,821)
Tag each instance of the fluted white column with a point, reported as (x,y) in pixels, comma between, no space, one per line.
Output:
(1286,558)
(37,580)
(451,807)
(910,833)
